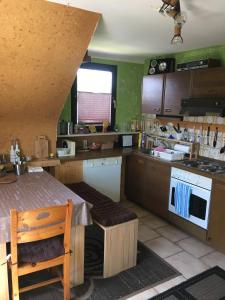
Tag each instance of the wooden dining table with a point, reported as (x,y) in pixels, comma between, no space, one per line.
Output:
(35,190)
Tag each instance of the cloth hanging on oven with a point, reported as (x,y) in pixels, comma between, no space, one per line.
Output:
(182,199)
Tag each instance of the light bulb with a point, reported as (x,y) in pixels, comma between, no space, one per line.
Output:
(177,38)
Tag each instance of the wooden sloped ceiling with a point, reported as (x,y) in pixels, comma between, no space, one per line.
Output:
(42,45)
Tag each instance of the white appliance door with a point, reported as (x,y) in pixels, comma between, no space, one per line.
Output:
(199,193)
(104,175)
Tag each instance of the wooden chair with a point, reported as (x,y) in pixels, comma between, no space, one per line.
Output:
(38,228)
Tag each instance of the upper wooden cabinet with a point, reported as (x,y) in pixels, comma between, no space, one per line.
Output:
(162,94)
(208,83)
(177,87)
(152,92)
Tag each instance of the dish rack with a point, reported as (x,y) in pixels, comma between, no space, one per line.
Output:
(193,147)
(169,154)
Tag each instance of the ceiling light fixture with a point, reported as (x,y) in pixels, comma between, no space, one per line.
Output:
(171,8)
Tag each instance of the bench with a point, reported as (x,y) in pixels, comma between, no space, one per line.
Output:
(120,228)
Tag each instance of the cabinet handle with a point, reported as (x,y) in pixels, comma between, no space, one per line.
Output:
(168,109)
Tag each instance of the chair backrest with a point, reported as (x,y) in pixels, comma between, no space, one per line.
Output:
(38,224)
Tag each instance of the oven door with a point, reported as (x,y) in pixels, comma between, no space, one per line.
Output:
(199,203)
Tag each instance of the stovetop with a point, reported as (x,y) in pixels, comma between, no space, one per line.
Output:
(205,165)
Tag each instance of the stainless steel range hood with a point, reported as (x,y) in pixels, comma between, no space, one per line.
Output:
(203,106)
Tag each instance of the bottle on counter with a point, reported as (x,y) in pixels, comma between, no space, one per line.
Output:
(12,154)
(143,140)
(17,153)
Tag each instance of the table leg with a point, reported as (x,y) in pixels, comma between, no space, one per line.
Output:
(4,290)
(77,256)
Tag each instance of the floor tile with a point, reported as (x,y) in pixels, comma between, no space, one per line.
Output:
(144,295)
(186,264)
(141,212)
(153,221)
(169,284)
(145,233)
(163,247)
(195,247)
(127,203)
(214,259)
(172,233)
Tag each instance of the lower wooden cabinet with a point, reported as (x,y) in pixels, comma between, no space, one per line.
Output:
(216,227)
(69,172)
(147,183)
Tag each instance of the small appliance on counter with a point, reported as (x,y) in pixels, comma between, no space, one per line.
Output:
(126,140)
(68,148)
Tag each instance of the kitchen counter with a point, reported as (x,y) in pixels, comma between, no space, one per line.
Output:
(94,154)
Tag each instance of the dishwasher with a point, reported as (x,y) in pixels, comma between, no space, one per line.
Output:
(104,175)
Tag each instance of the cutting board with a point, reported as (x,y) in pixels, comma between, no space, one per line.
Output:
(8,178)
(41,147)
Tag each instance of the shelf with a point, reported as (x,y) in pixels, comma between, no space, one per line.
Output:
(171,140)
(53,162)
(95,134)
(194,147)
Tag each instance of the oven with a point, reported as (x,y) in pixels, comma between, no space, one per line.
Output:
(199,196)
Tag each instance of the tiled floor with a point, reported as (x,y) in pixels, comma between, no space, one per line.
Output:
(185,253)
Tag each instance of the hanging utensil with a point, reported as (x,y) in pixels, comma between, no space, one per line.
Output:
(215,138)
(163,128)
(222,150)
(208,133)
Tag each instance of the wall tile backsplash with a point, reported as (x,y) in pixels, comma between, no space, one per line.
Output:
(205,150)
(209,150)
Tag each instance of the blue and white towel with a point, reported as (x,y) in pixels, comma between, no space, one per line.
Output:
(182,199)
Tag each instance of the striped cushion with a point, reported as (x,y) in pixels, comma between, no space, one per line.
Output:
(42,250)
(104,211)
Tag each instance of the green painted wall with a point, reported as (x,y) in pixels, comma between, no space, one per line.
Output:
(129,78)
(66,112)
(210,52)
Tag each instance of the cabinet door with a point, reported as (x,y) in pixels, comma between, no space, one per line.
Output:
(69,172)
(134,178)
(156,193)
(216,228)
(208,83)
(177,87)
(147,183)
(152,90)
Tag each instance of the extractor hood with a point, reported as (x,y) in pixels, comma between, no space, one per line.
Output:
(203,106)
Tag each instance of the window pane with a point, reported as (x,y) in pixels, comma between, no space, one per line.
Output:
(94,81)
(93,107)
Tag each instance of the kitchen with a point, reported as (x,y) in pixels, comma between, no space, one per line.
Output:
(24,120)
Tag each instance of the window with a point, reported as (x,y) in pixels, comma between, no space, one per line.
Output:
(93,94)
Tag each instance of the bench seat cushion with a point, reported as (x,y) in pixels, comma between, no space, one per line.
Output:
(104,211)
